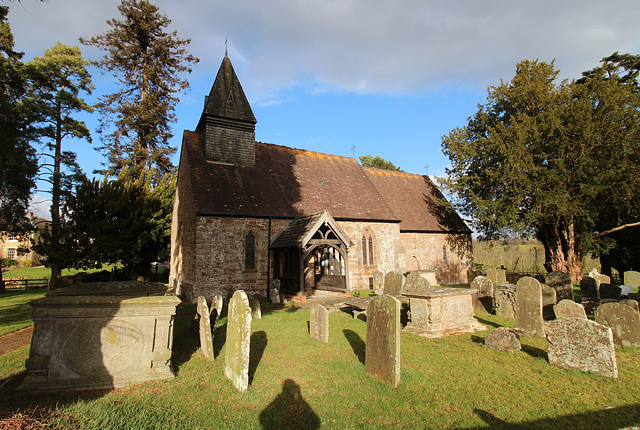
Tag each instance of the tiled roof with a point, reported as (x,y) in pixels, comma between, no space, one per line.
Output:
(299,231)
(288,182)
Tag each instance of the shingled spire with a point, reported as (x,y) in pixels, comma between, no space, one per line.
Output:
(227,121)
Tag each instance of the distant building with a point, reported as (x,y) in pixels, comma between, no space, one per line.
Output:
(248,212)
(12,245)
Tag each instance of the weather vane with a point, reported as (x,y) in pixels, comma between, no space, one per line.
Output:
(426,168)
(353,150)
(226,41)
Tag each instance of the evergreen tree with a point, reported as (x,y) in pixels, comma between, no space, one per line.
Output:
(57,78)
(540,156)
(378,162)
(18,164)
(147,60)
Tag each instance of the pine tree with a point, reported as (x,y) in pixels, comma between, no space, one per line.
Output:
(147,60)
(57,78)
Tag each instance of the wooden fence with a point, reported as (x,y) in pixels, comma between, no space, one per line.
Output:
(25,283)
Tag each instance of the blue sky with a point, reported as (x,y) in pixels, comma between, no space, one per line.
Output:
(388,77)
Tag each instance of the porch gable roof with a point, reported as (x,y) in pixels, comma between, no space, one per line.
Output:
(299,231)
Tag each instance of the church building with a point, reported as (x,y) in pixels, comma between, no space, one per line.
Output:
(247,213)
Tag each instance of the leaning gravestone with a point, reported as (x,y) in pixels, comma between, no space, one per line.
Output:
(415,282)
(548,301)
(631,278)
(608,291)
(484,302)
(589,289)
(238,341)
(561,282)
(569,309)
(505,300)
(256,311)
(382,355)
(378,282)
(529,307)
(206,333)
(319,323)
(581,344)
(274,292)
(623,320)
(393,282)
(503,339)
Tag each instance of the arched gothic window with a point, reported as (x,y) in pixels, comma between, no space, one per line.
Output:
(367,248)
(249,252)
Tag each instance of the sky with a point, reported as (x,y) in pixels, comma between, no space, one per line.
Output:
(349,77)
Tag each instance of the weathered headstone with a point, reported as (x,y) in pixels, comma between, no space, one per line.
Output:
(562,283)
(631,278)
(501,277)
(238,341)
(415,282)
(633,303)
(382,355)
(393,282)
(602,279)
(216,310)
(569,309)
(505,300)
(378,282)
(484,301)
(594,273)
(503,339)
(529,307)
(549,299)
(493,275)
(206,334)
(472,274)
(319,323)
(513,278)
(274,292)
(608,291)
(623,320)
(581,344)
(256,311)
(589,289)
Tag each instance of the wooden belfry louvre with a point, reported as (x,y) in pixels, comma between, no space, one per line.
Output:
(310,253)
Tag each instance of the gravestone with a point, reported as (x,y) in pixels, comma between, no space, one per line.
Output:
(382,355)
(589,289)
(206,333)
(492,274)
(216,310)
(569,309)
(602,279)
(378,282)
(393,282)
(608,291)
(581,344)
(632,303)
(529,307)
(484,300)
(472,274)
(319,323)
(256,311)
(548,301)
(631,278)
(505,300)
(625,290)
(513,278)
(238,341)
(497,276)
(503,339)
(561,282)
(415,282)
(274,292)
(623,320)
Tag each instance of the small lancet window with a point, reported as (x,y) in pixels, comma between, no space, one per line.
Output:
(249,252)
(367,248)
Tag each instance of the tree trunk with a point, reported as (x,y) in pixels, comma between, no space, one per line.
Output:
(561,249)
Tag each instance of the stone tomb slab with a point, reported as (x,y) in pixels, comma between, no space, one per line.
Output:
(529,319)
(581,344)
(382,354)
(623,320)
(238,341)
(319,323)
(569,309)
(442,311)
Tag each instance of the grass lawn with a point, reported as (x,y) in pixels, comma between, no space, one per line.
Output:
(15,312)
(452,382)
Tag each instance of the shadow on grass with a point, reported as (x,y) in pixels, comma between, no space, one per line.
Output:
(486,322)
(219,339)
(477,339)
(357,344)
(258,345)
(534,352)
(185,341)
(289,410)
(619,417)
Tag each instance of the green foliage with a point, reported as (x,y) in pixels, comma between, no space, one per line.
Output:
(550,160)
(378,162)
(147,60)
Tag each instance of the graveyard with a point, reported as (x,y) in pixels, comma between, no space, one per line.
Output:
(296,381)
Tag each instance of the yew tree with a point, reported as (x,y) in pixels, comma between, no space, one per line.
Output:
(547,159)
(378,162)
(148,62)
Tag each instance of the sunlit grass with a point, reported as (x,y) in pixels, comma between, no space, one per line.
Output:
(15,312)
